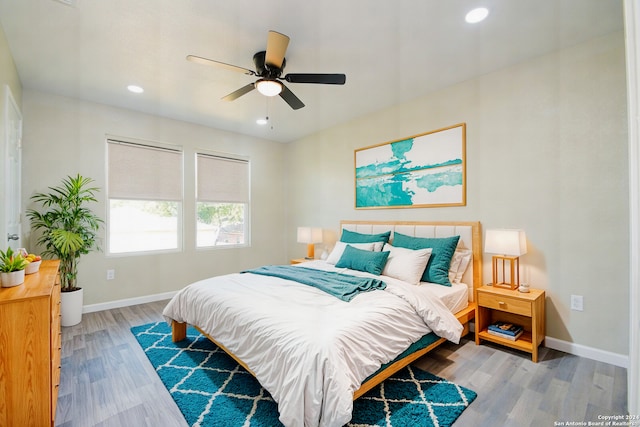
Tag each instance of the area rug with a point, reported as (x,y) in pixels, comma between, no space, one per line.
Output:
(211,389)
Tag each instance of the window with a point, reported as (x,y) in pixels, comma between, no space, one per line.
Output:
(145,197)
(222,200)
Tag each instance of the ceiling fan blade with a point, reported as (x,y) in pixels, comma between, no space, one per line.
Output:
(277,44)
(293,101)
(329,79)
(211,62)
(238,93)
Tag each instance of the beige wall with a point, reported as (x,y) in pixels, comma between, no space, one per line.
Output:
(546,152)
(63,136)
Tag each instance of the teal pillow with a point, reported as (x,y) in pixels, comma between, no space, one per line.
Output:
(353,237)
(442,249)
(361,260)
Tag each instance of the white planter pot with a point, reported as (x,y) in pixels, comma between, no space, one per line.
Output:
(71,307)
(13,278)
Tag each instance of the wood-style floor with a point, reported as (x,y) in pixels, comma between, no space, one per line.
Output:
(108,381)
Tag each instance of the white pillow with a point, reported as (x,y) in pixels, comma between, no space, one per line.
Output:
(459,263)
(406,264)
(338,249)
(377,246)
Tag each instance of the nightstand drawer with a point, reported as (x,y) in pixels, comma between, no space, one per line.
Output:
(505,303)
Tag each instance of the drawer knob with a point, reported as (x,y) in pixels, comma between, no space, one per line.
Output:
(501,303)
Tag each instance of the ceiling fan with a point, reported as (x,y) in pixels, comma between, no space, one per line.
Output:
(269,66)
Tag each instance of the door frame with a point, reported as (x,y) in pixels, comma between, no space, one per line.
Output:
(8,104)
(632,42)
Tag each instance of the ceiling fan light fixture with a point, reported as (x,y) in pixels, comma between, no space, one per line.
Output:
(269,87)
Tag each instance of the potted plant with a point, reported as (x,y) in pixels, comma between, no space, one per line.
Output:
(68,230)
(12,265)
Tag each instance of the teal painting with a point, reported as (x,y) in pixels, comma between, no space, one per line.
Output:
(425,170)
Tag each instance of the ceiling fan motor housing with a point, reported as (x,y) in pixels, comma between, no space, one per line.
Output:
(265,70)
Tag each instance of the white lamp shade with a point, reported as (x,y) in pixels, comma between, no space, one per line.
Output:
(505,242)
(309,235)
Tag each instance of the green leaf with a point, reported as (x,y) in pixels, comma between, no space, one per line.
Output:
(66,241)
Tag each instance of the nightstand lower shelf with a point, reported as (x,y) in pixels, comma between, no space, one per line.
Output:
(523,343)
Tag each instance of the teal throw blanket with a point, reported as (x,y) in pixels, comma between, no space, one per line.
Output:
(339,285)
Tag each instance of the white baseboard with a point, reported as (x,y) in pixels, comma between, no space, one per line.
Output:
(127,302)
(588,352)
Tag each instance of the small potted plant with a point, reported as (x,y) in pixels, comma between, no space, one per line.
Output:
(68,229)
(12,266)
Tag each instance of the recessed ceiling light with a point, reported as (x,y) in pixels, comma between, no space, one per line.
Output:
(135,89)
(477,15)
(71,3)
(262,121)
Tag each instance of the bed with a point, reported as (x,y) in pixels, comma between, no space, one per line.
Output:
(315,352)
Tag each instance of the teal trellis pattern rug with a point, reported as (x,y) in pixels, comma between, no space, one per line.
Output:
(211,389)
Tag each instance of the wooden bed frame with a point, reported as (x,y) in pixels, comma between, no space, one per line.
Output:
(471,238)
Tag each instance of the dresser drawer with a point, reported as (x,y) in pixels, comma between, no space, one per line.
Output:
(55,369)
(56,332)
(504,303)
(55,388)
(56,345)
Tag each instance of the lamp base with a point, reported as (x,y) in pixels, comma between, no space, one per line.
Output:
(514,270)
(310,251)
(505,285)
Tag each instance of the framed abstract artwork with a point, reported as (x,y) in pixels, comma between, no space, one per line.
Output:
(425,170)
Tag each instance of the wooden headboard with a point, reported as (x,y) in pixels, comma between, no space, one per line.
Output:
(470,233)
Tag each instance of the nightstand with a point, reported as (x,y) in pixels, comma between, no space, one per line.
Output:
(526,309)
(299,260)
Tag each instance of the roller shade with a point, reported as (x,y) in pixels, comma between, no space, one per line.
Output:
(222,179)
(141,172)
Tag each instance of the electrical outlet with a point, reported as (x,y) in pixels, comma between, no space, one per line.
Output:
(577,303)
(111,274)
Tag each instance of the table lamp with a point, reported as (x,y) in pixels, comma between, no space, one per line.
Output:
(310,236)
(507,245)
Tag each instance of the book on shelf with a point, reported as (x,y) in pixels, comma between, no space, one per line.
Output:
(506,328)
(505,336)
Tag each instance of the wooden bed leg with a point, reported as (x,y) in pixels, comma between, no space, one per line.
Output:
(178,331)
(465,329)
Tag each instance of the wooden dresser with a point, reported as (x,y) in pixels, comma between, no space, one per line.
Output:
(30,343)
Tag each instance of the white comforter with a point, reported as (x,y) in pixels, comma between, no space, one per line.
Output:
(311,350)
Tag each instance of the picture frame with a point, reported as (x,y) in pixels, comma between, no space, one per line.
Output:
(422,171)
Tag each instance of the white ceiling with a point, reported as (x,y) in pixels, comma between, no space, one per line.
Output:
(391,51)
